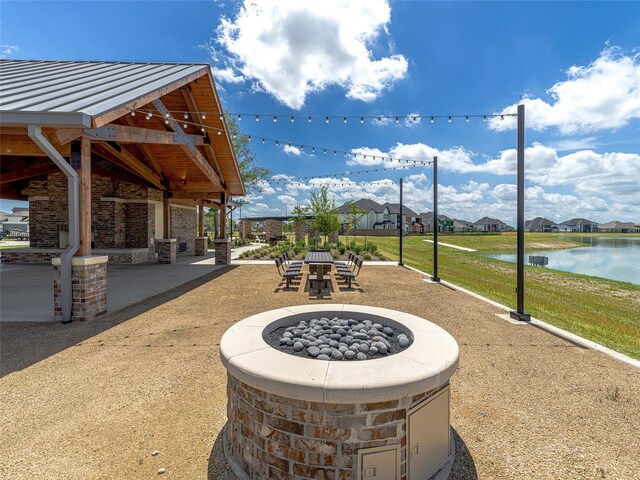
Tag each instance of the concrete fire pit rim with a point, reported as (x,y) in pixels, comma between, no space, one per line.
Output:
(427,363)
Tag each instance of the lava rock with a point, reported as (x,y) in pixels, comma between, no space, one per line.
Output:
(403,340)
(323,357)
(313,351)
(297,346)
(337,355)
(349,354)
(361,356)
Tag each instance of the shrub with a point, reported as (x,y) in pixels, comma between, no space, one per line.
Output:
(381,257)
(335,255)
(357,249)
(342,249)
(366,256)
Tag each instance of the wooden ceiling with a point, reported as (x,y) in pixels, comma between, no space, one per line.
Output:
(186,161)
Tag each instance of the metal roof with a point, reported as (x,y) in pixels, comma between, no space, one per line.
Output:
(70,93)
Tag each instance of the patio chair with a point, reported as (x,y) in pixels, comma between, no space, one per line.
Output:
(291,262)
(346,264)
(286,273)
(349,275)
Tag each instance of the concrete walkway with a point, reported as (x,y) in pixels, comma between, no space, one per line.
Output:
(453,246)
(26,291)
(236,252)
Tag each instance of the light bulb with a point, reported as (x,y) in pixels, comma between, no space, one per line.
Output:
(184,125)
(148,117)
(345,119)
(450,120)
(186,116)
(361,119)
(249,137)
(309,119)
(204,117)
(166,120)
(133,113)
(397,119)
(234,136)
(166,114)
(325,151)
(292,119)
(263,141)
(221,118)
(257,118)
(219,132)
(277,143)
(275,119)
(239,117)
(313,150)
(415,118)
(484,118)
(467,119)
(202,129)
(335,153)
(433,120)
(326,120)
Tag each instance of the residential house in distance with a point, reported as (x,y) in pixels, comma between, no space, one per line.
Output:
(445,224)
(463,226)
(540,224)
(488,224)
(16,221)
(380,217)
(619,227)
(581,225)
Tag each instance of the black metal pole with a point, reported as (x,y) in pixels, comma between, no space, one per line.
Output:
(435,276)
(401,224)
(231,224)
(519,314)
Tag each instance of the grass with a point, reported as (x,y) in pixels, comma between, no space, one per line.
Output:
(602,310)
(6,247)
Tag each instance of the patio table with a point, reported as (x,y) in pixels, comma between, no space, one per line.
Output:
(319,257)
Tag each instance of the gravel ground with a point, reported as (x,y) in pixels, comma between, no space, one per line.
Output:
(94,400)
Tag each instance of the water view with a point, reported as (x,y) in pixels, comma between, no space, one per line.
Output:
(608,257)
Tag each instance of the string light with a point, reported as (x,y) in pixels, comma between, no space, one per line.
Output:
(433,120)
(186,116)
(133,113)
(467,119)
(309,119)
(450,120)
(275,119)
(257,118)
(361,119)
(293,119)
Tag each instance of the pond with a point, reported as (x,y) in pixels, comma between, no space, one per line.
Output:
(616,258)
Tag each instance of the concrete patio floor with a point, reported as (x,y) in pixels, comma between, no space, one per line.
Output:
(95,399)
(26,291)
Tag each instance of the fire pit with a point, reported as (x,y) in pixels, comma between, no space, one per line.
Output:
(298,408)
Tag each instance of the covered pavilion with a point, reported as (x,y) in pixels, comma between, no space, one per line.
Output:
(117,161)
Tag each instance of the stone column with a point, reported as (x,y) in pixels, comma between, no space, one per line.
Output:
(167,250)
(245,229)
(333,237)
(273,229)
(201,246)
(223,251)
(300,230)
(89,288)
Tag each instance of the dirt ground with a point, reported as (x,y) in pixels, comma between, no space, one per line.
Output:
(95,399)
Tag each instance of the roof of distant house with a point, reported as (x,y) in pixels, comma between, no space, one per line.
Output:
(488,221)
(617,224)
(539,222)
(395,208)
(578,221)
(365,204)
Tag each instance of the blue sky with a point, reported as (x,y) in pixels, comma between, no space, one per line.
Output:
(576,65)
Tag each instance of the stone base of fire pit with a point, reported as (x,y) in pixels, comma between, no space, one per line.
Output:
(302,418)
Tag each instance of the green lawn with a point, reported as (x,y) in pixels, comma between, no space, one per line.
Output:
(605,311)
(6,247)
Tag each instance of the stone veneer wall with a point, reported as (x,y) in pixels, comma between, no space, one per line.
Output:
(300,230)
(245,228)
(273,228)
(89,291)
(167,250)
(121,216)
(274,437)
(184,222)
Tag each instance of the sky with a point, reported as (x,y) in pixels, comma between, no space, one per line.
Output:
(575,67)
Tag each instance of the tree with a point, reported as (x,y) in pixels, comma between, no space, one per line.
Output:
(354,215)
(324,213)
(252,175)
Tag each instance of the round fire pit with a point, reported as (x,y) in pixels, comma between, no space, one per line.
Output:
(293,415)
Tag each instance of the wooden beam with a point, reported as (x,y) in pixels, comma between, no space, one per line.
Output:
(191,150)
(23,145)
(223,215)
(134,163)
(166,215)
(23,173)
(85,197)
(187,95)
(146,152)
(66,135)
(201,220)
(198,195)
(118,112)
(125,134)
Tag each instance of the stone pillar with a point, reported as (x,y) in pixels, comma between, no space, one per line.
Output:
(167,250)
(201,246)
(89,288)
(300,230)
(223,251)
(245,229)
(272,229)
(333,237)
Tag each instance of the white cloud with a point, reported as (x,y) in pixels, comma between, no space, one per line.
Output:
(292,149)
(265,187)
(602,95)
(291,49)
(7,50)
(260,207)
(288,200)
(226,75)
(412,120)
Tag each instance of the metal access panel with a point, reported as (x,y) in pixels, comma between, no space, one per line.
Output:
(379,463)
(428,431)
